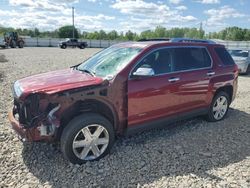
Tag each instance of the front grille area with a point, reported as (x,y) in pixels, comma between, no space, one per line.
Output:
(27,110)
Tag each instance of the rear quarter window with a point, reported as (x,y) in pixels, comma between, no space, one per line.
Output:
(224,56)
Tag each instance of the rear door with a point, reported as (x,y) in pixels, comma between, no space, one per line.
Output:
(196,70)
(75,42)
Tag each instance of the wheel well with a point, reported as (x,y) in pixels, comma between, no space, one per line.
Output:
(226,89)
(87,106)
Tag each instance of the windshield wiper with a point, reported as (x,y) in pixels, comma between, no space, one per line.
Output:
(89,72)
(75,67)
(86,71)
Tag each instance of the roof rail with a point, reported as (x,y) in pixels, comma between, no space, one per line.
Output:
(192,40)
(154,39)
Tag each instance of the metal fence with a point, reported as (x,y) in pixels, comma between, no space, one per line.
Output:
(53,42)
(244,45)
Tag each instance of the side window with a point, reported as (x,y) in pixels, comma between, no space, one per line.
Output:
(160,61)
(224,56)
(191,58)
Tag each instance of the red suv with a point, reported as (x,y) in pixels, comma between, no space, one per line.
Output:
(123,89)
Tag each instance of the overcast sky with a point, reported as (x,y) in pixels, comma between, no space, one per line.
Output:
(123,15)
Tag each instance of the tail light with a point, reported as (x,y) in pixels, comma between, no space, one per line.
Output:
(236,71)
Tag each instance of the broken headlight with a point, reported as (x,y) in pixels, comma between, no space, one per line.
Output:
(18,90)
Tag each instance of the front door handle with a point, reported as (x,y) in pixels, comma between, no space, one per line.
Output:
(211,73)
(173,79)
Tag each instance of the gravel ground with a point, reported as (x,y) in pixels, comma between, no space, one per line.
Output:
(190,153)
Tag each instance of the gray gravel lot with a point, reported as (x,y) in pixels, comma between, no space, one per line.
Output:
(191,153)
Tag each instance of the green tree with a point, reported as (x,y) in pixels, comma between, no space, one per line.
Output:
(102,35)
(94,35)
(192,33)
(160,32)
(147,34)
(130,35)
(84,35)
(67,32)
(247,35)
(230,33)
(112,35)
(176,32)
(121,36)
(36,32)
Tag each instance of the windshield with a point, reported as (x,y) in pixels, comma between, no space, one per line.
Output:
(110,61)
(239,53)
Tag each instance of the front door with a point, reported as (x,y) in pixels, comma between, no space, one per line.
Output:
(151,97)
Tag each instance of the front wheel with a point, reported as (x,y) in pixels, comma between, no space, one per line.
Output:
(21,44)
(64,46)
(13,44)
(87,137)
(219,107)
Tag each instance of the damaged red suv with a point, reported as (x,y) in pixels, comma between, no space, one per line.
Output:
(121,90)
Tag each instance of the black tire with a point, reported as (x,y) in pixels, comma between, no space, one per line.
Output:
(72,130)
(21,44)
(82,47)
(13,44)
(211,116)
(64,46)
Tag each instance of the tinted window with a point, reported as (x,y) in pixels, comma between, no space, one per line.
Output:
(191,58)
(159,61)
(224,56)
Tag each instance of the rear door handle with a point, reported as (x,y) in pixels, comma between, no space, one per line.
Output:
(210,73)
(173,79)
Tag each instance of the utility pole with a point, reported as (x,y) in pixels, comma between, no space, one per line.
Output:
(201,26)
(73,22)
(201,30)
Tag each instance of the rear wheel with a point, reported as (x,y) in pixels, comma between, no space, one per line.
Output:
(82,47)
(87,137)
(219,107)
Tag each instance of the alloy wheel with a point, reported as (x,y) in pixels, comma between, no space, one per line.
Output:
(90,142)
(220,107)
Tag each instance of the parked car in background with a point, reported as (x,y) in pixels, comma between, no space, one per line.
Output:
(72,43)
(242,59)
(126,88)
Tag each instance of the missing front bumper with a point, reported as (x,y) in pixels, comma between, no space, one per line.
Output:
(30,135)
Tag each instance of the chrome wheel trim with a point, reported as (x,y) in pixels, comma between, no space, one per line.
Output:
(220,107)
(90,142)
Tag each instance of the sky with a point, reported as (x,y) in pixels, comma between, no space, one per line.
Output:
(124,15)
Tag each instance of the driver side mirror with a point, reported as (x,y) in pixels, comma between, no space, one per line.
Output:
(143,72)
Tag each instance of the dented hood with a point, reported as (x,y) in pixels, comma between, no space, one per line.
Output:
(56,81)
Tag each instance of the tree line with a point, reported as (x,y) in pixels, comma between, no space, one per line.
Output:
(230,33)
